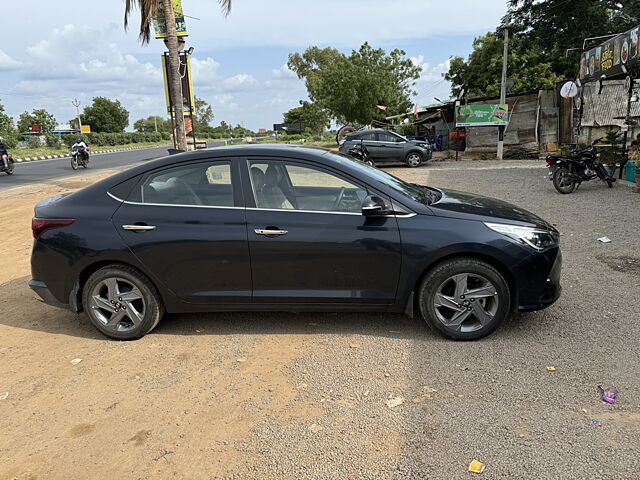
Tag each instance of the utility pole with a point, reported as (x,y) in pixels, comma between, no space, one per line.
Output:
(503,85)
(76,103)
(155,122)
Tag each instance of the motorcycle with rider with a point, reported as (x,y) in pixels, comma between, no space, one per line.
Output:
(79,154)
(7,165)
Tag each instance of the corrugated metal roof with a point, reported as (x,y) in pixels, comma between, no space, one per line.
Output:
(600,110)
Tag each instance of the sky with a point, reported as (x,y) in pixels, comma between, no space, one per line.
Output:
(60,51)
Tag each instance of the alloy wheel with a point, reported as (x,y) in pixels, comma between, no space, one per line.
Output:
(118,304)
(414,160)
(466,302)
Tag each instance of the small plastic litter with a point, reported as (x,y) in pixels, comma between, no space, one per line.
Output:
(199,330)
(595,421)
(604,240)
(608,396)
(394,402)
(476,466)
(75,361)
(3,349)
(4,396)
(241,359)
(315,428)
(355,345)
(551,369)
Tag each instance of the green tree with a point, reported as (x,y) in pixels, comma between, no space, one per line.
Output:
(553,26)
(203,116)
(350,87)
(37,117)
(149,124)
(148,10)
(480,74)
(105,115)
(6,122)
(314,118)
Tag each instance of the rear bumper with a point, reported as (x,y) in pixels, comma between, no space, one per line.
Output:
(45,294)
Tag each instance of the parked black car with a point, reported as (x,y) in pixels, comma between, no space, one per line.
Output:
(387,146)
(287,228)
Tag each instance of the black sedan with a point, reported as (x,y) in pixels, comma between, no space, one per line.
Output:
(290,229)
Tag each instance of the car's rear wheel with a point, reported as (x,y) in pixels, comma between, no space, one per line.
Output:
(413,159)
(121,302)
(465,299)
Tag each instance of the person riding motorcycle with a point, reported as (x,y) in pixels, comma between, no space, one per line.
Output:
(81,144)
(4,153)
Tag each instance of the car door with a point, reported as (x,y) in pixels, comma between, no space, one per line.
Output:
(390,147)
(369,140)
(186,224)
(310,243)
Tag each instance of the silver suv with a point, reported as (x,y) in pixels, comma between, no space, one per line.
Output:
(384,146)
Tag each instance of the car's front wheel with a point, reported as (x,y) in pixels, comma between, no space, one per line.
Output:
(414,159)
(121,302)
(464,298)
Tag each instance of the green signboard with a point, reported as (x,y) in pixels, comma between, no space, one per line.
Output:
(482,115)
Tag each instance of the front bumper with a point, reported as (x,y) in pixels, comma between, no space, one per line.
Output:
(45,294)
(551,291)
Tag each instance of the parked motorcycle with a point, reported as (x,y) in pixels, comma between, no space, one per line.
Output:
(360,152)
(569,171)
(9,169)
(79,157)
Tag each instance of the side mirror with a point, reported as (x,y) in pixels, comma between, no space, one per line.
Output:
(374,206)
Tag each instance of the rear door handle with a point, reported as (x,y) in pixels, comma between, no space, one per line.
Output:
(261,231)
(139,228)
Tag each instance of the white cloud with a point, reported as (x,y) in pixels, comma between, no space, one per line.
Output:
(205,72)
(340,23)
(240,82)
(7,63)
(431,82)
(283,73)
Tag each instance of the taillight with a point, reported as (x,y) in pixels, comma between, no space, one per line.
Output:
(41,225)
(550,161)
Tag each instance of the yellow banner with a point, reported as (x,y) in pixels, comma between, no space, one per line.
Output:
(160,25)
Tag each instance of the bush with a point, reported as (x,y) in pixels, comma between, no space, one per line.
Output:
(113,139)
(52,140)
(34,142)
(11,139)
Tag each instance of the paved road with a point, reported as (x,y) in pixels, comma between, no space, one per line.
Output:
(45,170)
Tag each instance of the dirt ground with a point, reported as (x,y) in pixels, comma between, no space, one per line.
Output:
(305,396)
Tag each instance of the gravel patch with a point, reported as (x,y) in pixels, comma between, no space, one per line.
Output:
(493,400)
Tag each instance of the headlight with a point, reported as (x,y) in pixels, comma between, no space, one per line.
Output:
(534,237)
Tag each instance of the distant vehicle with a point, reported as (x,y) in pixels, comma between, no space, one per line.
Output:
(569,171)
(384,146)
(284,228)
(79,156)
(360,152)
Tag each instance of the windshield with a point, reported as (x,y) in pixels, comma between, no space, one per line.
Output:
(411,190)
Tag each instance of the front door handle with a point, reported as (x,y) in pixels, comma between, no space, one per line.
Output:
(261,231)
(139,228)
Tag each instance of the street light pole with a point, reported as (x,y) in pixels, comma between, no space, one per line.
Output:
(503,86)
(76,103)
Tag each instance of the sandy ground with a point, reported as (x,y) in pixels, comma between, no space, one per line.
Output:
(278,396)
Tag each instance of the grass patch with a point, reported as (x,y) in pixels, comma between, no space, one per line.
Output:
(43,151)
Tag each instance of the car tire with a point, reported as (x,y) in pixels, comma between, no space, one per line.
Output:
(413,159)
(464,299)
(121,302)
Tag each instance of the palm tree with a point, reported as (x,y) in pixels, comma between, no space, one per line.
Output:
(148,10)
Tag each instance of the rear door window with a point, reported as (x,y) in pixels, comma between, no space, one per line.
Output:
(206,184)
